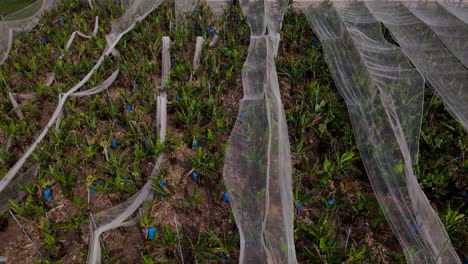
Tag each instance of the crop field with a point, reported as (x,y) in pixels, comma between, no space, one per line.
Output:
(103,150)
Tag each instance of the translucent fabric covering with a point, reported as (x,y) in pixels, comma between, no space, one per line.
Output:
(161,110)
(81,34)
(198,49)
(50,79)
(101,87)
(218,6)
(165,60)
(12,191)
(257,167)
(457,8)
(452,31)
(22,21)
(384,96)
(16,108)
(214,40)
(25,96)
(196,57)
(182,7)
(447,76)
(135,11)
(92,91)
(115,217)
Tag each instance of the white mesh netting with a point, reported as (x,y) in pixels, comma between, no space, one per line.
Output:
(383,87)
(257,169)
(384,95)
(446,75)
(13,191)
(21,21)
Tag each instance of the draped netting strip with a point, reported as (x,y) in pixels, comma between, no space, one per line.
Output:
(384,96)
(452,31)
(457,8)
(446,75)
(257,168)
(182,7)
(81,34)
(21,21)
(13,192)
